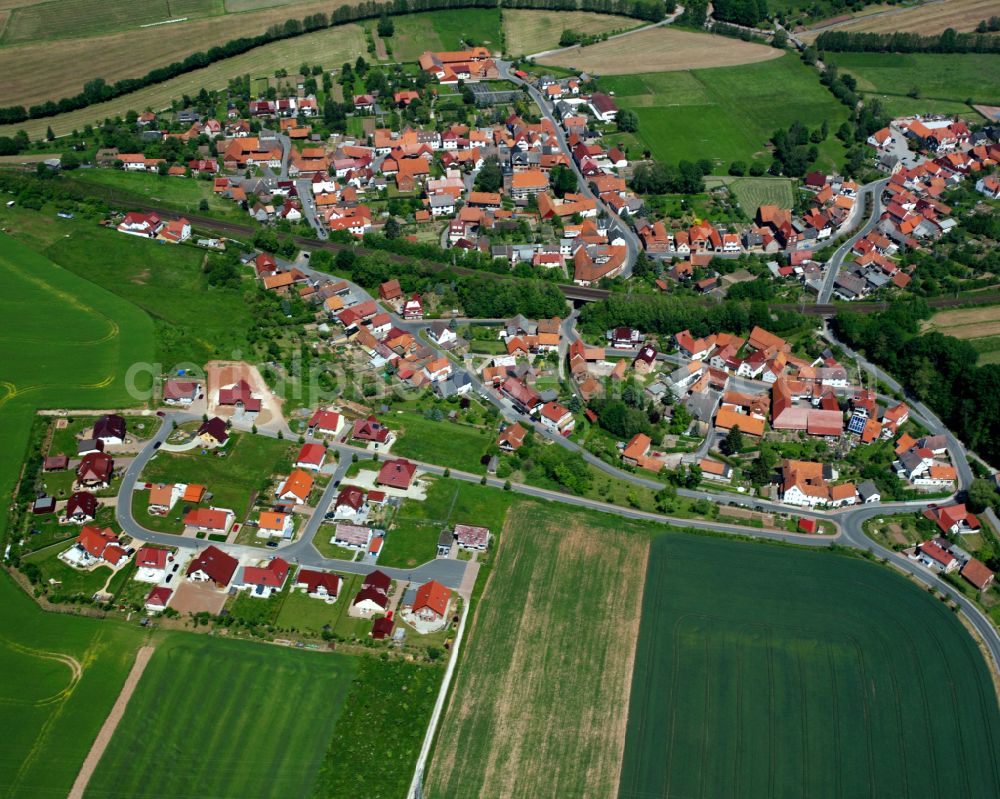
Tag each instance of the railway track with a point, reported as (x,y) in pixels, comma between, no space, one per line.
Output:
(570,291)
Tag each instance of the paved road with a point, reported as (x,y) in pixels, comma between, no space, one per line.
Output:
(870,192)
(617,228)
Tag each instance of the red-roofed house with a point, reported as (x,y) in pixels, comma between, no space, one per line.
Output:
(325,423)
(319,585)
(151,565)
(262,581)
(978,574)
(371,430)
(952,518)
(557,417)
(397,473)
(212,565)
(431,602)
(158,599)
(311,456)
(210,520)
(934,557)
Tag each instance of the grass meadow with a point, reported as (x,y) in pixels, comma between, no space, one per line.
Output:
(529,31)
(231,717)
(939,77)
(729,113)
(451,444)
(416,527)
(755,192)
(61,675)
(767,671)
(194,322)
(442,30)
(539,707)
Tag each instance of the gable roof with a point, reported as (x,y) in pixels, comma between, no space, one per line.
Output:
(219,566)
(432,595)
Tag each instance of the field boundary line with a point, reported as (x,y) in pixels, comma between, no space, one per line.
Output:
(416,783)
(107,730)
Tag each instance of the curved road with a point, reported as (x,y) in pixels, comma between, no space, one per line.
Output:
(869,192)
(616,227)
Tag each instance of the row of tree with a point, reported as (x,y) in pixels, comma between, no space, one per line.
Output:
(949,41)
(686,177)
(937,369)
(650,10)
(741,12)
(667,315)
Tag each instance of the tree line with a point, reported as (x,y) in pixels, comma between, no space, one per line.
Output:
(667,315)
(649,10)
(937,369)
(949,41)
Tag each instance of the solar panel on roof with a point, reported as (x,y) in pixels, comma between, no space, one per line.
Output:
(857,423)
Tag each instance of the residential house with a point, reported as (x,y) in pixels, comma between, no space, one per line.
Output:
(397,473)
(319,585)
(431,602)
(110,429)
(213,432)
(262,581)
(325,423)
(210,520)
(272,524)
(95,471)
(296,487)
(212,565)
(151,564)
(557,417)
(311,456)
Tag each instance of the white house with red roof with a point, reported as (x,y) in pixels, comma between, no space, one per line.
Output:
(319,585)
(136,224)
(212,565)
(158,599)
(413,308)
(326,423)
(933,556)
(557,417)
(262,581)
(94,546)
(351,504)
(151,565)
(311,456)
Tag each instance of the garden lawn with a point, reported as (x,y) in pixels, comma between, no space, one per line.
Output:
(52,715)
(811,673)
(445,443)
(415,530)
(539,707)
(303,614)
(728,113)
(250,460)
(955,77)
(234,718)
(755,192)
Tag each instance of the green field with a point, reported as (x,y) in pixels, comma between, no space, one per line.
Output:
(250,460)
(539,707)
(443,30)
(182,194)
(67,18)
(952,77)
(233,718)
(729,113)
(52,714)
(755,192)
(811,674)
(303,613)
(420,438)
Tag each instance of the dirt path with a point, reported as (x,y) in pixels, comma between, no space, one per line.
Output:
(381,53)
(110,723)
